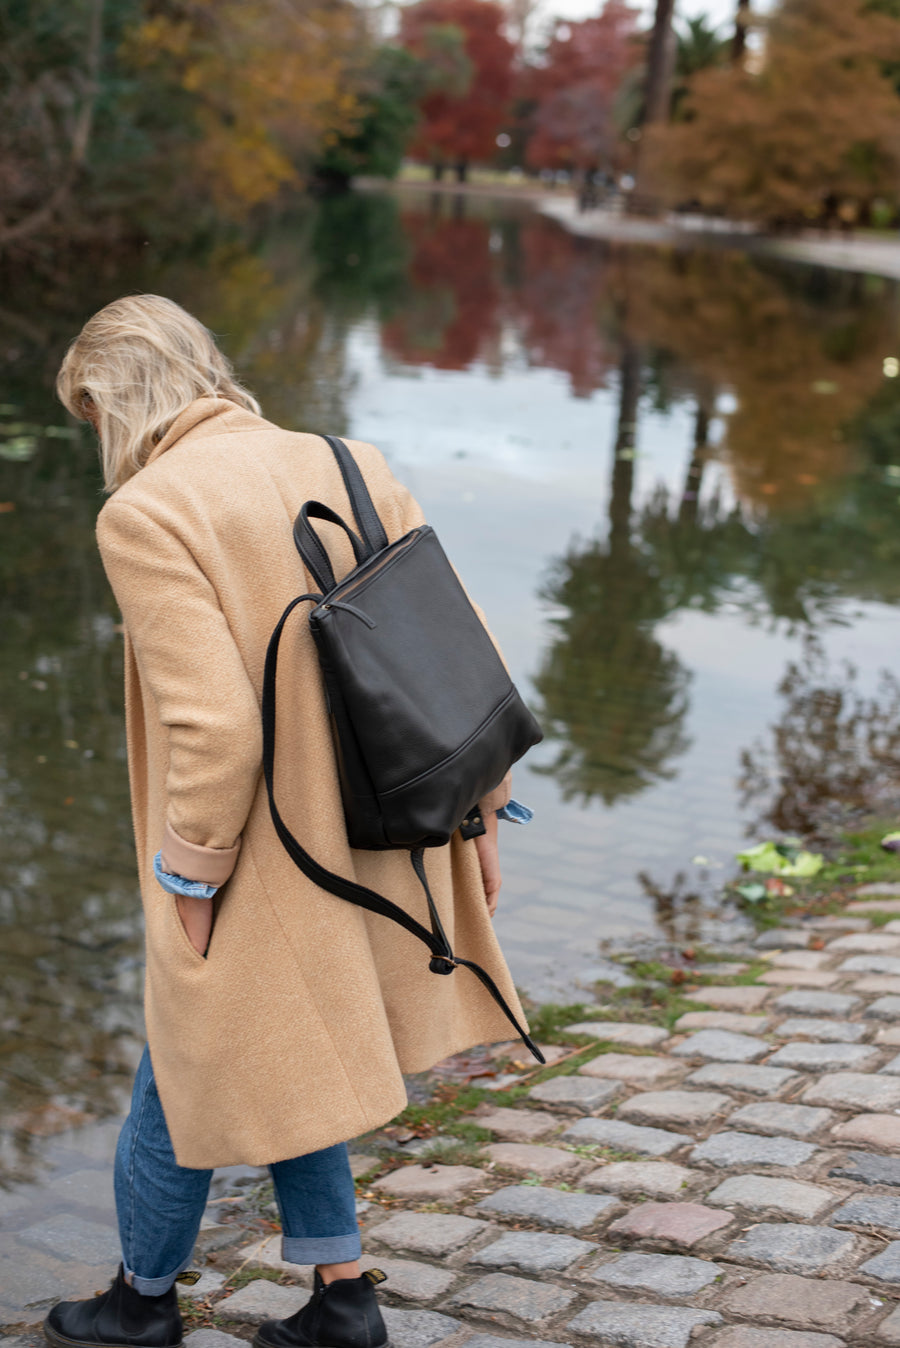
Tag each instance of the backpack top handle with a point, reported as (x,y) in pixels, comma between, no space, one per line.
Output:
(367,521)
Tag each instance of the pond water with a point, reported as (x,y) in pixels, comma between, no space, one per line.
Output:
(671,479)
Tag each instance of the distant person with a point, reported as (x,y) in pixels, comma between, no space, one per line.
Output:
(280,1019)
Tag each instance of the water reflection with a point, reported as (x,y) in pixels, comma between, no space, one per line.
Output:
(753,485)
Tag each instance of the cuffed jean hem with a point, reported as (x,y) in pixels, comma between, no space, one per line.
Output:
(153,1287)
(321,1249)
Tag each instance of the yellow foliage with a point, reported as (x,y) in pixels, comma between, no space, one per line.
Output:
(267,81)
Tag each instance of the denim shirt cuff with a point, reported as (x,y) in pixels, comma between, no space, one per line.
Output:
(177,884)
(516,813)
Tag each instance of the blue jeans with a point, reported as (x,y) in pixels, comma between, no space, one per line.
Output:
(160,1203)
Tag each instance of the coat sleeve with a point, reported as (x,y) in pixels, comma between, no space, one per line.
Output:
(190,663)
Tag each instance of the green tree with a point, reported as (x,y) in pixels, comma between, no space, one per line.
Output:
(387,114)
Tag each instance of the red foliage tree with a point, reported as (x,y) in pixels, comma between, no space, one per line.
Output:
(575,90)
(459,126)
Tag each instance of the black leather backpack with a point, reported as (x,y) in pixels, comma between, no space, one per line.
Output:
(425,718)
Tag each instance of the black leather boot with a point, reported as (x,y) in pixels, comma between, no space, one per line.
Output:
(119,1318)
(340,1314)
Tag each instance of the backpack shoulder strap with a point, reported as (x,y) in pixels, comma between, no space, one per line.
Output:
(364,512)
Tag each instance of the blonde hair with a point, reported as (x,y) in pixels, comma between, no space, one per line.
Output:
(133,368)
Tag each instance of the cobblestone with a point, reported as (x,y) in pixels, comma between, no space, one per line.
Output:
(668,1275)
(533,1252)
(520,1297)
(621,1032)
(417,1329)
(721,1046)
(851,1090)
(870,1130)
(576,1092)
(866,943)
(866,1168)
(803,978)
(773,1118)
(870,1212)
(549,1207)
(887,983)
(411,1280)
(212,1338)
(886,1264)
(640,1326)
(546,1162)
(798,959)
(871,964)
(742,998)
(431,1233)
(71,1237)
(888,1035)
(721,1020)
(889,1329)
(262,1300)
(743,1336)
(728,1150)
(621,1136)
(762,1193)
(634,1069)
(790,1248)
(804,1003)
(819,1303)
(749,1077)
(683,1224)
(518,1125)
(444,1182)
(656,1179)
(830,1031)
(885,1008)
(492,1341)
(782,938)
(684,1109)
(825,1057)
(891,1068)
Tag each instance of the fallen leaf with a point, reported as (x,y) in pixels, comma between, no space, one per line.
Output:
(678,976)
(7,507)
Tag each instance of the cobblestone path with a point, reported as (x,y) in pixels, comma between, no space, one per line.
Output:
(733,1183)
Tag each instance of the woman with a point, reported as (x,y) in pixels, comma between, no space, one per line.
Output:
(280,1019)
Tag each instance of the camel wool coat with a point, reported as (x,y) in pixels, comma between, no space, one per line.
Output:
(293,1032)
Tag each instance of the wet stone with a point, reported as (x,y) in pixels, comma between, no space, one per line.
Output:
(825,1057)
(620,1032)
(640,1326)
(679,1223)
(262,1300)
(666,1275)
(634,1069)
(851,1090)
(886,1264)
(743,1336)
(681,1108)
(749,1077)
(871,1213)
(429,1233)
(741,998)
(546,1162)
(576,1092)
(533,1252)
(749,1149)
(71,1237)
(656,1179)
(548,1207)
(517,1125)
(885,1008)
(442,1182)
(871,1130)
(417,1329)
(816,1303)
(782,938)
(763,1193)
(829,1031)
(411,1280)
(721,1046)
(521,1297)
(773,1119)
(620,1136)
(721,1020)
(866,1168)
(804,1003)
(790,1248)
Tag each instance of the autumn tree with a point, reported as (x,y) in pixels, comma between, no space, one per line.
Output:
(576,88)
(462,114)
(813,134)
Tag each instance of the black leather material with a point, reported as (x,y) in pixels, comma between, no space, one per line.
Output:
(118,1318)
(424,716)
(341,1314)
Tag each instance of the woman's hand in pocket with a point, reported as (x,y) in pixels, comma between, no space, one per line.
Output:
(489,859)
(197,918)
